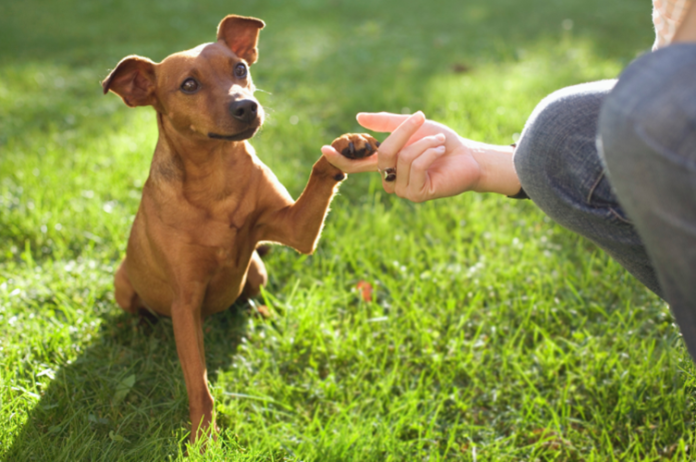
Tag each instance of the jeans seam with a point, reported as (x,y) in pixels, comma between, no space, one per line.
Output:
(618,215)
(594,186)
(612,210)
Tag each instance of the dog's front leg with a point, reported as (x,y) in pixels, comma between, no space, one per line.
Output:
(299,224)
(188,334)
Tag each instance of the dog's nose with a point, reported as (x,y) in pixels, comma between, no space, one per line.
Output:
(244,110)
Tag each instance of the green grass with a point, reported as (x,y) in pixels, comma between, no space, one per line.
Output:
(494,335)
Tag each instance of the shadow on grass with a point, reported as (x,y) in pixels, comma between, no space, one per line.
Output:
(124,397)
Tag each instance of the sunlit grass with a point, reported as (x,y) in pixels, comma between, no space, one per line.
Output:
(493,334)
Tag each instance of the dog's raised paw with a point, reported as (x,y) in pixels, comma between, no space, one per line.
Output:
(355,145)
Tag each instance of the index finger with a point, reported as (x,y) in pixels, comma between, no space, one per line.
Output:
(381,121)
(390,147)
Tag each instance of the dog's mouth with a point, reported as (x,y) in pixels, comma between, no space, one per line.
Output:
(243,135)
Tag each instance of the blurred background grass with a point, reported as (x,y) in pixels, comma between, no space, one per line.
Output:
(494,334)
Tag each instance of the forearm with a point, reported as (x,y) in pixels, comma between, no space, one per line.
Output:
(687,29)
(497,172)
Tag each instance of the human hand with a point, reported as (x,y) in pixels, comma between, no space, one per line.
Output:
(431,160)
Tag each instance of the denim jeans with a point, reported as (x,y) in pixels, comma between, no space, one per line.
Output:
(616,163)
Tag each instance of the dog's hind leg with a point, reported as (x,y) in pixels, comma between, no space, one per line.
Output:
(126,297)
(256,277)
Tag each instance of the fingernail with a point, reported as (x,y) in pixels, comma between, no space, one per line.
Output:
(418,117)
(440,137)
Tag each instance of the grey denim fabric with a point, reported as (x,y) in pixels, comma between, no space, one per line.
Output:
(647,136)
(559,167)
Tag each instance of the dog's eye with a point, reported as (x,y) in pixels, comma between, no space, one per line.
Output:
(240,70)
(190,86)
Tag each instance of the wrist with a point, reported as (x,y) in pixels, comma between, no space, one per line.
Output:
(496,169)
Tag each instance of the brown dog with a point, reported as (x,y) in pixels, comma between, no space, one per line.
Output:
(209,201)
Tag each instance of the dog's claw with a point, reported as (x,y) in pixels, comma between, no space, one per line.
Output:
(355,145)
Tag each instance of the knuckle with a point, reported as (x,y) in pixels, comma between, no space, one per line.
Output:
(385,152)
(420,164)
(408,155)
(413,197)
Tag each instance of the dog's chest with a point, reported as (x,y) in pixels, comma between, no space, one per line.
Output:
(229,235)
(230,258)
(214,237)
(220,224)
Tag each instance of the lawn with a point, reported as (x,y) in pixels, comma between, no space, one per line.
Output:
(493,334)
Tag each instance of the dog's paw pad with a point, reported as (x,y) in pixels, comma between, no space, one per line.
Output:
(355,145)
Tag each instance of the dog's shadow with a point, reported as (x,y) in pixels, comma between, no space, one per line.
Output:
(124,397)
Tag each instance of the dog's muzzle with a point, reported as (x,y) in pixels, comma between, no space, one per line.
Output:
(244,110)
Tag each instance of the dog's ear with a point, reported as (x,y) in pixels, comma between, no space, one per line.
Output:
(133,80)
(241,35)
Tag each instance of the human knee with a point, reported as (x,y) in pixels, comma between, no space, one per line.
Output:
(654,102)
(534,155)
(558,140)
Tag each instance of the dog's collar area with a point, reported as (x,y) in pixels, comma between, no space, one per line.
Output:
(246,134)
